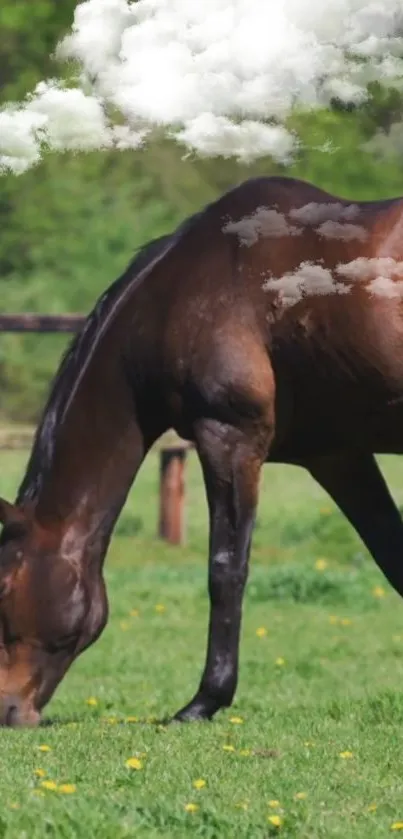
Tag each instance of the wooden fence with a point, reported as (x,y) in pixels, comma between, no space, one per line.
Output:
(172,449)
(40,323)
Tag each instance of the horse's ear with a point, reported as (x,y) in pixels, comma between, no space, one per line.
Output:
(10,514)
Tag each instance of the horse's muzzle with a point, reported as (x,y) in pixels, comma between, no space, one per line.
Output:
(14,714)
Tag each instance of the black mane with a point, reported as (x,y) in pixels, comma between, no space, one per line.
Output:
(71,365)
(79,350)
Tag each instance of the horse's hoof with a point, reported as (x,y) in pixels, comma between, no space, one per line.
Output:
(192,713)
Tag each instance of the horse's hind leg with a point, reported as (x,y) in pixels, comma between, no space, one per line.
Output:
(231,459)
(357,486)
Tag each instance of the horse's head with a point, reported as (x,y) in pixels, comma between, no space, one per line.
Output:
(52,606)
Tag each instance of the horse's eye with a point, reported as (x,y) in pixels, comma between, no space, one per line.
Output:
(66,643)
(9,637)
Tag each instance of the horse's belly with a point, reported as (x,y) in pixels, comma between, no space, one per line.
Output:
(325,415)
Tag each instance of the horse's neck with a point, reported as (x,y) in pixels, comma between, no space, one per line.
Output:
(98,447)
(91,475)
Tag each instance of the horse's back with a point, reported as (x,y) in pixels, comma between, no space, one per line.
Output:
(297,269)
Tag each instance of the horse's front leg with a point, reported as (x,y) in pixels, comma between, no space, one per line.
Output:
(231,461)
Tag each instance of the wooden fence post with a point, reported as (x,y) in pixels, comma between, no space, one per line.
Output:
(172,495)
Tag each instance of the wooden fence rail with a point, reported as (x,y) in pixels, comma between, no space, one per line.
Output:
(30,322)
(172,449)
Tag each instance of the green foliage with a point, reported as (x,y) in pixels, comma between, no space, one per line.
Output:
(70,225)
(29,34)
(305,585)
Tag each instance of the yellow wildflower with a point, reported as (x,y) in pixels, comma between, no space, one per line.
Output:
(299,796)
(92,701)
(236,720)
(199,783)
(191,808)
(372,808)
(346,754)
(378,591)
(397,826)
(276,820)
(261,632)
(14,806)
(228,748)
(44,748)
(160,608)
(346,622)
(67,789)
(134,613)
(111,720)
(333,619)
(245,752)
(134,763)
(48,785)
(242,805)
(280,661)
(40,773)
(132,719)
(321,564)
(274,803)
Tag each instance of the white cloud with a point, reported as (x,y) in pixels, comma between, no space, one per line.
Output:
(379,276)
(268,222)
(219,76)
(369,268)
(263,222)
(308,280)
(385,287)
(316,212)
(343,232)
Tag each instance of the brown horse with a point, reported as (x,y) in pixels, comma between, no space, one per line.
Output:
(268,327)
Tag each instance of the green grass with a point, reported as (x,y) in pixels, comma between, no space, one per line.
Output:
(338,688)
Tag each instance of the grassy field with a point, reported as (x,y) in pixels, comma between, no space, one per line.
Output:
(312,746)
